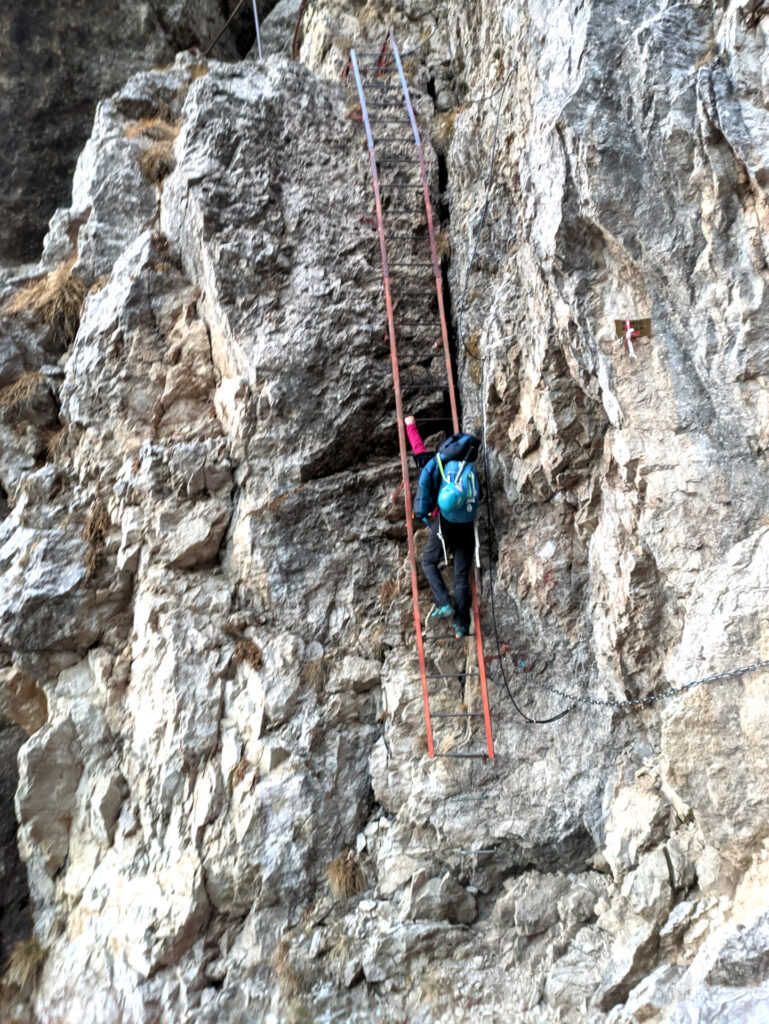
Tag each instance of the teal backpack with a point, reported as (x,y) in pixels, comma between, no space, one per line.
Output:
(459,493)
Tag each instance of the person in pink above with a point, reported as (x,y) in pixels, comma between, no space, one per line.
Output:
(416,442)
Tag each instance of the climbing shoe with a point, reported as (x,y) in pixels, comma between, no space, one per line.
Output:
(441,613)
(460,632)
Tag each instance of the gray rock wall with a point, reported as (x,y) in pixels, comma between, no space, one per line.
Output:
(58,62)
(224,805)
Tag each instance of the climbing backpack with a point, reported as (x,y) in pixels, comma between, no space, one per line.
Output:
(459,493)
(460,448)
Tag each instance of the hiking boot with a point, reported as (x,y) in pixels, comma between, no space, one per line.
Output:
(440,613)
(460,632)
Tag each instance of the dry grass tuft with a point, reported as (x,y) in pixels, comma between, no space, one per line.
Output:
(443,244)
(99,283)
(197,71)
(56,443)
(473,344)
(411,65)
(291,983)
(371,18)
(157,162)
(313,674)
(345,876)
(443,128)
(387,594)
(343,43)
(24,965)
(21,399)
(94,534)
(55,300)
(353,112)
(250,652)
(240,771)
(153,128)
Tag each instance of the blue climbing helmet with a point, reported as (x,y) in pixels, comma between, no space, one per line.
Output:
(458,494)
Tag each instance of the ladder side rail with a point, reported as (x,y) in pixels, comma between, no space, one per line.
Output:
(449,371)
(431,230)
(398,404)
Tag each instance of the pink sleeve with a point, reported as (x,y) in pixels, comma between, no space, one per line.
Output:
(414,439)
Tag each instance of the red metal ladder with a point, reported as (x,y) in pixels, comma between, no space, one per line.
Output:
(391,100)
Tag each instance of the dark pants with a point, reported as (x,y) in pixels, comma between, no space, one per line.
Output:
(459,538)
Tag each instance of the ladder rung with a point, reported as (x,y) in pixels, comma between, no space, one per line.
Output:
(419,263)
(468,755)
(454,675)
(397,160)
(461,714)
(446,636)
(394,138)
(384,85)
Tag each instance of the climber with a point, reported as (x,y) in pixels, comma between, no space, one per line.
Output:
(447,501)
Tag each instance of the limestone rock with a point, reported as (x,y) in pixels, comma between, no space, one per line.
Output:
(439,899)
(107,797)
(22,702)
(204,569)
(637,821)
(14,889)
(49,773)
(743,961)
(647,889)
(716,728)
(531,904)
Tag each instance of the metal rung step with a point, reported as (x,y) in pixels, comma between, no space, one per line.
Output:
(465,714)
(454,675)
(385,85)
(397,160)
(445,636)
(394,138)
(424,266)
(484,757)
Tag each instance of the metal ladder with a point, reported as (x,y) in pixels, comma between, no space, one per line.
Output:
(402,200)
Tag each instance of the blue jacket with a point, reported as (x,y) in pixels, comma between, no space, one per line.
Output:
(427,490)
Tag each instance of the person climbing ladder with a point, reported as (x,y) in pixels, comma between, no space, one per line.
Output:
(447,501)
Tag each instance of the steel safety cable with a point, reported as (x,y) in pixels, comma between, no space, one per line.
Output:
(226,26)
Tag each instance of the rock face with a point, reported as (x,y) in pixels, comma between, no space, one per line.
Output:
(58,62)
(224,801)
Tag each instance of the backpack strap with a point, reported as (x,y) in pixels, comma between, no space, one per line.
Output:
(440,467)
